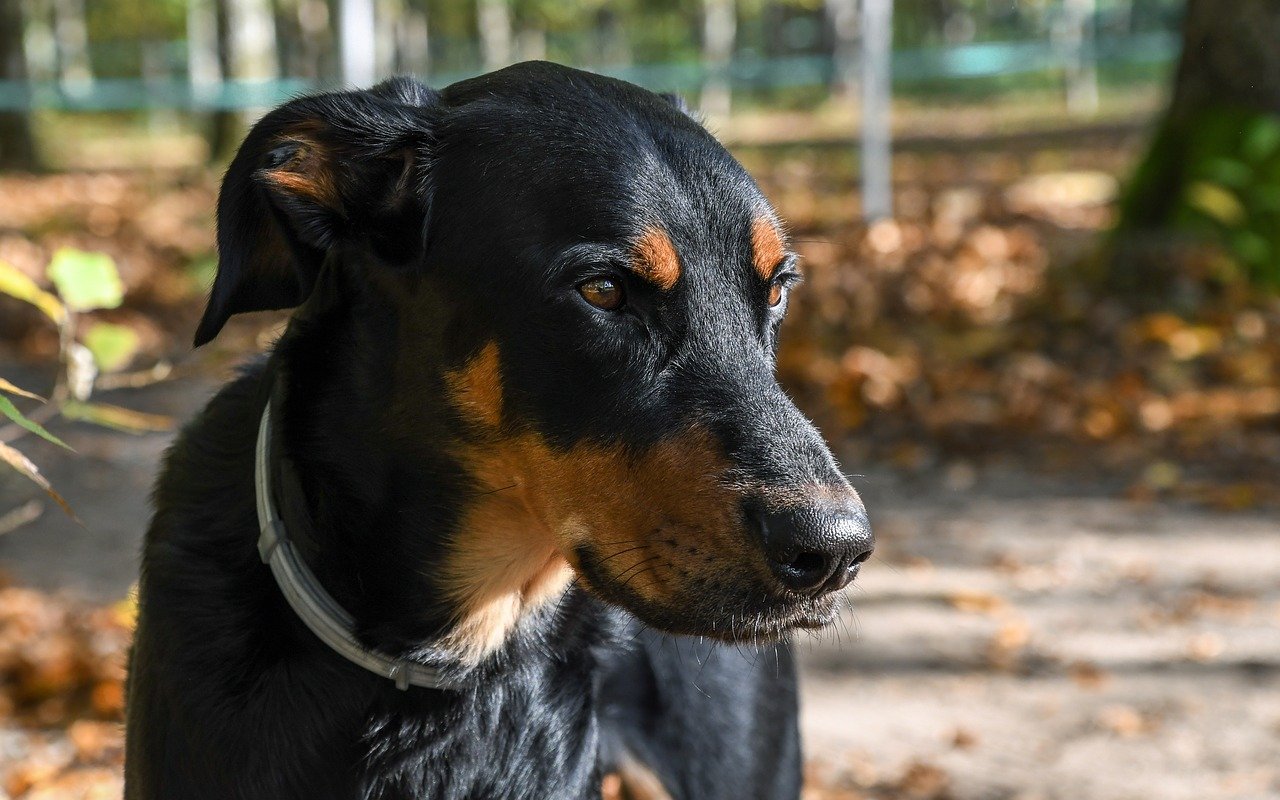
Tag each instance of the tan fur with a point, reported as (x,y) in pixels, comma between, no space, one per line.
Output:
(635,781)
(476,391)
(655,519)
(767,249)
(654,258)
(308,174)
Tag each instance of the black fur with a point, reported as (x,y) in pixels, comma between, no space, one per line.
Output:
(445,221)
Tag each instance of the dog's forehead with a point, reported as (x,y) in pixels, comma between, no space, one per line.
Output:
(551,158)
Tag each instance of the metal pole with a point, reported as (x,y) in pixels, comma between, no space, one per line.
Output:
(877,141)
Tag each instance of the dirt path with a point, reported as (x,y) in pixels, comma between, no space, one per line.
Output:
(1013,640)
(1054,647)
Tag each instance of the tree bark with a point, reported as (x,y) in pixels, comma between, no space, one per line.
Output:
(246,51)
(17,148)
(719,31)
(224,123)
(1230,56)
(843,16)
(1227,81)
(413,37)
(71,34)
(493,18)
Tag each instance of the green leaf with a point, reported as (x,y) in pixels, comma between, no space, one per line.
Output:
(1250,247)
(15,283)
(24,466)
(1228,172)
(1261,139)
(121,419)
(11,411)
(86,281)
(5,386)
(113,346)
(1217,203)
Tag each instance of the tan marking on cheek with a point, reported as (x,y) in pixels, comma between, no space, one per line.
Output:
(637,513)
(767,250)
(611,787)
(502,565)
(654,258)
(636,781)
(476,389)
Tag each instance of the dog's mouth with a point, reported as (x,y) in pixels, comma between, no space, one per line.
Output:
(731,608)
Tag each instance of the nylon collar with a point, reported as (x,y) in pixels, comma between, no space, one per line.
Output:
(317,609)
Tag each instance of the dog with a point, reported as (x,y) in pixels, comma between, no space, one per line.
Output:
(515,507)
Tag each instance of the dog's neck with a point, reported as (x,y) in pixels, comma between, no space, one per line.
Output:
(427,556)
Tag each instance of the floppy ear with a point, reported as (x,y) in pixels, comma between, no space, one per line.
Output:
(313,173)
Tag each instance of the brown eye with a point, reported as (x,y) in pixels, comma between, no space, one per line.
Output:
(602,293)
(775,293)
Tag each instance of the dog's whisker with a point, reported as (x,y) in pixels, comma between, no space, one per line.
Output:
(495,491)
(623,552)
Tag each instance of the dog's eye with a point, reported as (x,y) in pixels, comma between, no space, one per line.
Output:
(602,293)
(776,290)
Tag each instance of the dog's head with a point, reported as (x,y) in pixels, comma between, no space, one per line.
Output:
(590,287)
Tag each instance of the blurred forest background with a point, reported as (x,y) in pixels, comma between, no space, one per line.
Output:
(1041,322)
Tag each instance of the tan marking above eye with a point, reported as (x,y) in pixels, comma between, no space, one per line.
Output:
(654,258)
(767,249)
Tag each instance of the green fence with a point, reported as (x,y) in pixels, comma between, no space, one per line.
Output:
(911,67)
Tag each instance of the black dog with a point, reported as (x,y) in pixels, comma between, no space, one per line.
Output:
(524,432)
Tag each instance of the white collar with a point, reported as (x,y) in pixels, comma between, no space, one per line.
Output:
(316,608)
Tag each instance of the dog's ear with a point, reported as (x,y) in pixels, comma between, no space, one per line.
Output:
(311,174)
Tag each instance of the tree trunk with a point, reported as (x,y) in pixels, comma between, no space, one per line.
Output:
(843,17)
(357,41)
(612,46)
(72,38)
(204,68)
(413,38)
(1225,99)
(494,21)
(1231,55)
(17,149)
(246,51)
(224,123)
(719,30)
(1077,36)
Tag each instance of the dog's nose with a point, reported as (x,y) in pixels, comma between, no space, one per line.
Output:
(816,549)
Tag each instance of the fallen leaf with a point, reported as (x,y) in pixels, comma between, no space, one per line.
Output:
(974,602)
(6,386)
(28,469)
(1088,675)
